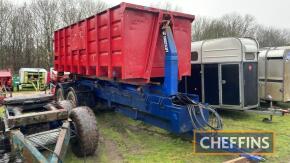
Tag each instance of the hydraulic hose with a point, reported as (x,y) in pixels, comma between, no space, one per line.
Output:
(194,108)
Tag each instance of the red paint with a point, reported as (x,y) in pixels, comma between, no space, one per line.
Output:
(122,42)
(5,81)
(5,78)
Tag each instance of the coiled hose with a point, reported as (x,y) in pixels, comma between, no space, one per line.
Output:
(195,108)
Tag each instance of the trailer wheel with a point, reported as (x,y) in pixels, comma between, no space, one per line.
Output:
(2,125)
(59,94)
(72,96)
(65,104)
(85,126)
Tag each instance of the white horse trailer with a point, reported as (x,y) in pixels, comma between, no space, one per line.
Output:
(224,73)
(274,73)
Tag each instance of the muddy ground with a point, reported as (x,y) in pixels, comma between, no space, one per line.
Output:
(125,140)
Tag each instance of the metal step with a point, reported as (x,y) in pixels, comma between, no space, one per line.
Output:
(43,139)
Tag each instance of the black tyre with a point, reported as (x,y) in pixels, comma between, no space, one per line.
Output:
(85,126)
(2,125)
(66,104)
(59,94)
(72,96)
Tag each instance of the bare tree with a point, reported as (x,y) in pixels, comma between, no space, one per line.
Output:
(46,15)
(26,31)
(5,17)
(90,7)
(69,12)
(205,28)
(237,25)
(229,25)
(72,11)
(268,36)
(166,6)
(198,28)
(20,34)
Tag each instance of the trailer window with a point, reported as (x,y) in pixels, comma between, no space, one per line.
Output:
(250,56)
(194,56)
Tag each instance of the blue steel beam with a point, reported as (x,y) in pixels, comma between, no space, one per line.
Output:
(170,84)
(144,103)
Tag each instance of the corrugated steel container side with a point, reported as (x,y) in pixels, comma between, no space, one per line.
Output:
(123,42)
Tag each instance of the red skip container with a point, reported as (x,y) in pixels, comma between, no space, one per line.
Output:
(123,42)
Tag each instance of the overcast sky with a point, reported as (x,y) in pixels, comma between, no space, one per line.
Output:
(274,13)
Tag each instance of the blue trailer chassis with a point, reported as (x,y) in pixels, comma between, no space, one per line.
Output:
(156,104)
(145,103)
(151,103)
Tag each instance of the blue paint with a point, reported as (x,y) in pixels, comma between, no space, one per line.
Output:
(20,144)
(254,158)
(146,103)
(149,103)
(170,84)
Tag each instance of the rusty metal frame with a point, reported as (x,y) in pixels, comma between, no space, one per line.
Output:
(35,118)
(22,111)
(32,154)
(29,152)
(62,143)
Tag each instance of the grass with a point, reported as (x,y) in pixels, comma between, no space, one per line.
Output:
(138,142)
(125,140)
(2,111)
